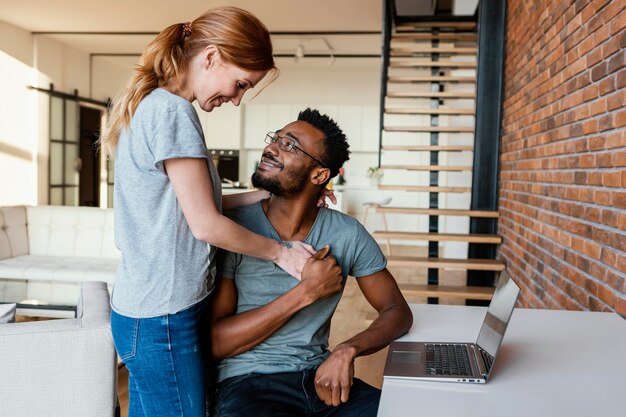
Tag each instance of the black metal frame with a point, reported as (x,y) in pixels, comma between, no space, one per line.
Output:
(388,19)
(489,90)
(63,141)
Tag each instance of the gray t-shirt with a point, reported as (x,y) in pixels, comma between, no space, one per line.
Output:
(163,269)
(302,342)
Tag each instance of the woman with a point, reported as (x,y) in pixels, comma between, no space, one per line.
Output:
(168,203)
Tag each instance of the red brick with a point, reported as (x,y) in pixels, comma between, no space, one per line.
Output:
(563,153)
(620,119)
(612,179)
(620,306)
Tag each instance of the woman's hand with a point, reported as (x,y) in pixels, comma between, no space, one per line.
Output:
(293,256)
(321,201)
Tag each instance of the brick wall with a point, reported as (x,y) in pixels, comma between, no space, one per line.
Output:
(563,161)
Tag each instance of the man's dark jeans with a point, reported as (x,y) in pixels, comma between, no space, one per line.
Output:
(289,394)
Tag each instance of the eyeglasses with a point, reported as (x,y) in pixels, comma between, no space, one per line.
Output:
(288,145)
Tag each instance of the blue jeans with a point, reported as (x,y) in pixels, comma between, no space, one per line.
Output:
(164,361)
(289,394)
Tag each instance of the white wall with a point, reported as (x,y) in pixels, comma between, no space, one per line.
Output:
(109,75)
(31,60)
(17,107)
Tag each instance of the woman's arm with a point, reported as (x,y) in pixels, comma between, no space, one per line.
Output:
(192,185)
(232,334)
(231,201)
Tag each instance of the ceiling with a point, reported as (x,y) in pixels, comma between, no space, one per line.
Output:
(154,15)
(119,26)
(115,26)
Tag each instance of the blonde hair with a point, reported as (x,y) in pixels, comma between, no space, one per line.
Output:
(241,38)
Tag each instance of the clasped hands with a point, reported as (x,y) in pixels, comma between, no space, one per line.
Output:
(333,378)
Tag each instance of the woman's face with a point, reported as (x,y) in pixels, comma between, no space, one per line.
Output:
(216,82)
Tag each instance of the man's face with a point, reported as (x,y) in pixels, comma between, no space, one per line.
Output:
(283,172)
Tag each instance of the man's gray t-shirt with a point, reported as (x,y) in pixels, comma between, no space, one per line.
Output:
(163,269)
(302,342)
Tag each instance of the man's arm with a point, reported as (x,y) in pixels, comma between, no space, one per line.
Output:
(334,377)
(232,334)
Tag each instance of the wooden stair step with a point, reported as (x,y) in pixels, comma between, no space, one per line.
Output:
(406,79)
(443,129)
(430,111)
(443,263)
(410,63)
(428,148)
(419,49)
(444,291)
(441,24)
(428,167)
(448,36)
(425,188)
(438,212)
(439,237)
(431,94)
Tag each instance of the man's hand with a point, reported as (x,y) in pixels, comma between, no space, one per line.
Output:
(333,378)
(321,275)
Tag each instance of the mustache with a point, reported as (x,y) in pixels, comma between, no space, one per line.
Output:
(270,157)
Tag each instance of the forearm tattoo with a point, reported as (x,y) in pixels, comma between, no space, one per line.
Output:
(286,244)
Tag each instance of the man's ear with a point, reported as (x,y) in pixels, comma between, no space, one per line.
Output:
(211,56)
(320,175)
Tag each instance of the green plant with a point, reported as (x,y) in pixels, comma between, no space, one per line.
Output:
(374,172)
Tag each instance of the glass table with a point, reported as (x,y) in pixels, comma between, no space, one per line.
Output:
(55,299)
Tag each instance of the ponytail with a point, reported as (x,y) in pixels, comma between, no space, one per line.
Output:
(161,61)
(240,37)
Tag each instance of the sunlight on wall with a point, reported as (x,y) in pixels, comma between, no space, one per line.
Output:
(18,133)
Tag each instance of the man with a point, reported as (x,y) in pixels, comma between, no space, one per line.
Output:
(270,331)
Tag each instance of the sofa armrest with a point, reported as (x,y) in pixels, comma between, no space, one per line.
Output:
(94,307)
(61,367)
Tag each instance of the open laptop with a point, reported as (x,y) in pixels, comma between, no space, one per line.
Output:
(458,362)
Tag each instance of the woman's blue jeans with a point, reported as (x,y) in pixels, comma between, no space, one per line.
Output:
(164,361)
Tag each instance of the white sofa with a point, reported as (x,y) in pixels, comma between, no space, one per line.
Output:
(47,251)
(61,368)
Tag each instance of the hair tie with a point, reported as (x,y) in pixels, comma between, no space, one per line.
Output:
(187,29)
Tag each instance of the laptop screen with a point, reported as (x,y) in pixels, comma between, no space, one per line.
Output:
(498,314)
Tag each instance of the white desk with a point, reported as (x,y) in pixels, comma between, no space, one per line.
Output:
(552,363)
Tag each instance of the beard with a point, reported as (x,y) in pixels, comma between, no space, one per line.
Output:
(294,184)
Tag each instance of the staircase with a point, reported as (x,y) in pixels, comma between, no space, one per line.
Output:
(426,145)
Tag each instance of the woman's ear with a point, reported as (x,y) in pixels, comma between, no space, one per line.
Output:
(211,55)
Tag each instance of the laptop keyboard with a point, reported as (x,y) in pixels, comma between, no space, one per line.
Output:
(447,359)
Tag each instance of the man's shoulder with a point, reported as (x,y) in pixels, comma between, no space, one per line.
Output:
(247,216)
(339,221)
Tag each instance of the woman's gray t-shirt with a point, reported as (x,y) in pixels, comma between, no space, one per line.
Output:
(163,268)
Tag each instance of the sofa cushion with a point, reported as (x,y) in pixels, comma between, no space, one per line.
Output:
(59,268)
(7,313)
(71,231)
(13,234)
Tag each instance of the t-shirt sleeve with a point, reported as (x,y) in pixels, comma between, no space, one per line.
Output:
(368,258)
(179,135)
(227,263)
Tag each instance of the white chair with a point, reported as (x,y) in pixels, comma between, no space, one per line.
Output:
(65,367)
(375,204)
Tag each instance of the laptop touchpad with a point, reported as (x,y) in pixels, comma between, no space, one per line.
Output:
(406,357)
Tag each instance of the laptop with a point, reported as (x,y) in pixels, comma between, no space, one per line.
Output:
(458,362)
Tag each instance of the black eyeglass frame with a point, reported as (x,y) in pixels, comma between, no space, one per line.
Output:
(272,137)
